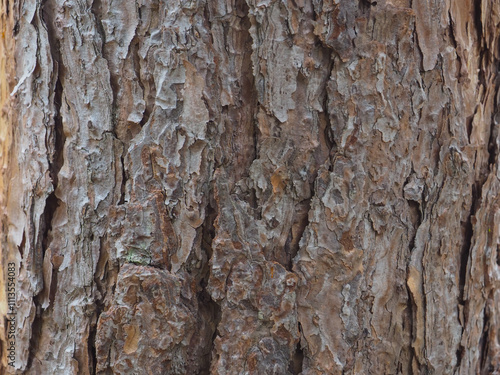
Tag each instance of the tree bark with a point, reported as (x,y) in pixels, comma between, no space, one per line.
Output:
(250,186)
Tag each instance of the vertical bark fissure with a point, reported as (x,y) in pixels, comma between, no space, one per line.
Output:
(100,290)
(483,345)
(478,23)
(55,141)
(297,361)
(60,139)
(124,180)
(36,330)
(37,321)
(55,137)
(464,259)
(416,217)
(492,142)
(209,308)
(91,342)
(468,233)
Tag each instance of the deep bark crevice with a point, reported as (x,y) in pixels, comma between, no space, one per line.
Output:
(91,343)
(484,361)
(124,181)
(297,361)
(478,25)
(296,365)
(467,233)
(22,246)
(209,306)
(415,214)
(55,141)
(209,309)
(91,340)
(492,142)
(36,333)
(51,205)
(60,139)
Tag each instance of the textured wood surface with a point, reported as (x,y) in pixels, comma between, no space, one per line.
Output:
(251,186)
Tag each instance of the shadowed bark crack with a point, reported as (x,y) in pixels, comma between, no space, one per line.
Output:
(124,181)
(484,361)
(210,311)
(296,365)
(55,144)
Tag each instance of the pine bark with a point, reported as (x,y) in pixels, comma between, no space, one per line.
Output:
(251,186)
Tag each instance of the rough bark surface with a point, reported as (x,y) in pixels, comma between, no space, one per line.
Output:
(251,186)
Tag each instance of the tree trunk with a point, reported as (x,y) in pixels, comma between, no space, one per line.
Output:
(250,187)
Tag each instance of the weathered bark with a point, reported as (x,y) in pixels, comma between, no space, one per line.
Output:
(251,187)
